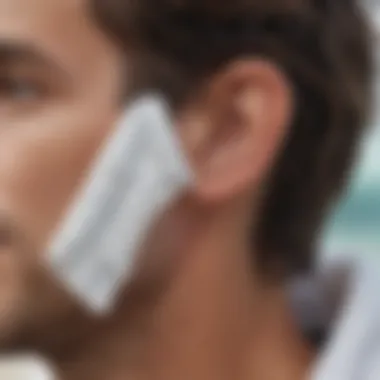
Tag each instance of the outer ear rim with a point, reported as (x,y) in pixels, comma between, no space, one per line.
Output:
(230,81)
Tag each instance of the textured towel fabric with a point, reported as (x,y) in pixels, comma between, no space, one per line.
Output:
(24,368)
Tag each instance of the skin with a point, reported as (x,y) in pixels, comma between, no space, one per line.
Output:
(197,308)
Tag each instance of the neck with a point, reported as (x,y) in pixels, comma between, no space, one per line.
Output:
(213,322)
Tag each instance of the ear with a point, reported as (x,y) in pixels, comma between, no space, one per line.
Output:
(235,129)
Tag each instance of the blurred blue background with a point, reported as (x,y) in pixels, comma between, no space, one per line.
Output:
(355,226)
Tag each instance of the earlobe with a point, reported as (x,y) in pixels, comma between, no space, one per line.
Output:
(237,133)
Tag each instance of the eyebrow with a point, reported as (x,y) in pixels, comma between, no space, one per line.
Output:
(12,52)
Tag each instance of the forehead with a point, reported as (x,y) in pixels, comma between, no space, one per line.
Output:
(65,29)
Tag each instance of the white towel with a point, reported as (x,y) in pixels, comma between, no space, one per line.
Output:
(343,297)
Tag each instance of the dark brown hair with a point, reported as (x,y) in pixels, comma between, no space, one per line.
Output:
(323,46)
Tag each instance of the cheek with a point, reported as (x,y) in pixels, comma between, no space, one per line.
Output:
(42,165)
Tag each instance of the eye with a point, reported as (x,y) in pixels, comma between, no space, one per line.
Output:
(19,89)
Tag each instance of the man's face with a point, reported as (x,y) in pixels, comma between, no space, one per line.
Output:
(60,80)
